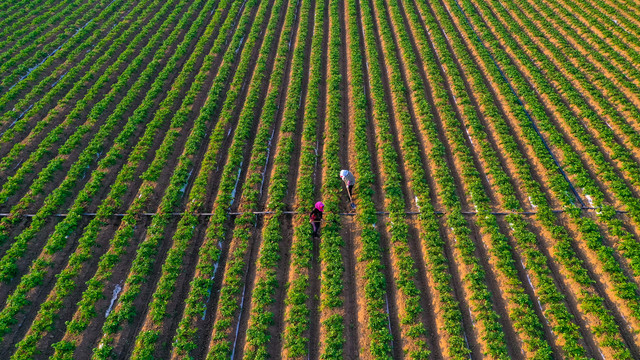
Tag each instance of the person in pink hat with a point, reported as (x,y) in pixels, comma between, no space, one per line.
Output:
(315,217)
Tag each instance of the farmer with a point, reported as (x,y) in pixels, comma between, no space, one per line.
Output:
(349,181)
(315,217)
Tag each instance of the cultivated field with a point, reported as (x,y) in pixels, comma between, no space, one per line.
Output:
(159,159)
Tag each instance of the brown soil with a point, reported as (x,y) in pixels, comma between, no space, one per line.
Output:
(163,181)
(75,153)
(285,245)
(62,256)
(349,231)
(50,32)
(60,111)
(93,332)
(241,323)
(526,277)
(621,12)
(205,323)
(595,105)
(59,327)
(572,292)
(560,281)
(314,272)
(124,340)
(283,269)
(604,287)
(564,130)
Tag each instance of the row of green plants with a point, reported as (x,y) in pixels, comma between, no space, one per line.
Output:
(184,233)
(413,331)
(295,339)
(376,321)
(54,200)
(630,247)
(66,280)
(594,239)
(17,35)
(613,103)
(605,132)
(241,138)
(86,310)
(47,145)
(17,13)
(332,316)
(473,275)
(620,17)
(263,302)
(16,181)
(214,95)
(520,306)
(58,238)
(72,120)
(549,294)
(576,18)
(607,328)
(32,48)
(432,241)
(230,301)
(172,198)
(17,100)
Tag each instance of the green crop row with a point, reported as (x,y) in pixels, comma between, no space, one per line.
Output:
(19,13)
(519,305)
(433,244)
(565,15)
(85,39)
(602,91)
(31,49)
(410,311)
(22,123)
(330,258)
(624,18)
(145,256)
(594,239)
(234,274)
(66,281)
(15,182)
(521,312)
(377,318)
(550,295)
(295,338)
(86,310)
(56,198)
(38,29)
(474,280)
(631,249)
(563,242)
(266,282)
(184,233)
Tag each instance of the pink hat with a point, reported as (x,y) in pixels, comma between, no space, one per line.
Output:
(320,206)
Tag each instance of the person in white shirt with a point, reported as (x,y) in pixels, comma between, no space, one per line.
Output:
(349,181)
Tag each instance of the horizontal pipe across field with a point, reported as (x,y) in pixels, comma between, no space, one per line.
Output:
(504,213)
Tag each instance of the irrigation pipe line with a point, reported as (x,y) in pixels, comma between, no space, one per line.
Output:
(503,213)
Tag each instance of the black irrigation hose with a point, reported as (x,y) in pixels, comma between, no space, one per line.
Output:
(344,214)
(535,127)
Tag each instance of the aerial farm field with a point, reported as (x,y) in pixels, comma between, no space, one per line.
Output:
(159,160)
